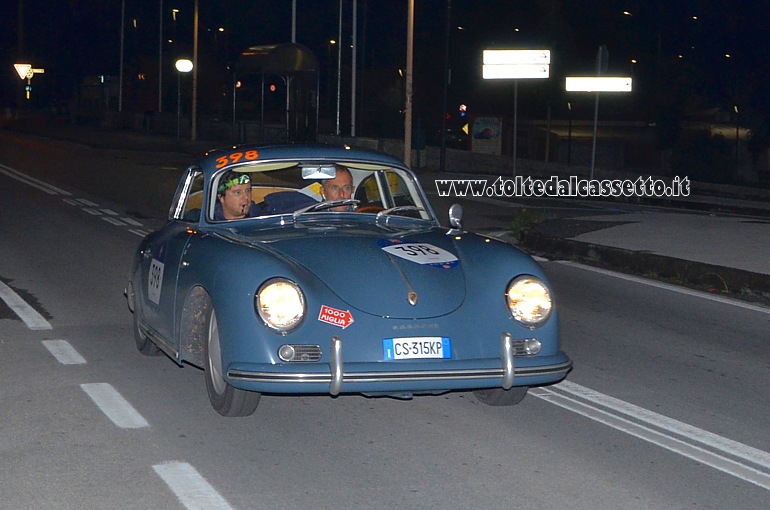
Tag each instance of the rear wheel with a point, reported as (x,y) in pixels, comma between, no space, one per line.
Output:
(501,397)
(143,343)
(226,399)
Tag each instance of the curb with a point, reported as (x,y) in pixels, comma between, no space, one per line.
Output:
(106,138)
(737,283)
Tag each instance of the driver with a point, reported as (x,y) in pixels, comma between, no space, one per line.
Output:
(234,197)
(339,188)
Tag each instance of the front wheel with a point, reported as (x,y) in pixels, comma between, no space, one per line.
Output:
(226,399)
(501,397)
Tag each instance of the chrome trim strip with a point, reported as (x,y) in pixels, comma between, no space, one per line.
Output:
(335,364)
(409,289)
(506,356)
(359,377)
(159,341)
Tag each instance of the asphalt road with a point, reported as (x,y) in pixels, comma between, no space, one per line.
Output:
(666,407)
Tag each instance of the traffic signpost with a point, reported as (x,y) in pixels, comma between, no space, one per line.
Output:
(26,71)
(597,84)
(22,69)
(516,65)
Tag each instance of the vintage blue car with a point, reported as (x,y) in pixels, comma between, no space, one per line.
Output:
(323,270)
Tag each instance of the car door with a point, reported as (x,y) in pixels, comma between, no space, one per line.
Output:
(162,256)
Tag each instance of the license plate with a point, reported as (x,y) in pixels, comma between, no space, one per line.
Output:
(423,347)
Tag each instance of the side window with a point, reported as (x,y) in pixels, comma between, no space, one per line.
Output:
(368,192)
(189,197)
(399,189)
(387,189)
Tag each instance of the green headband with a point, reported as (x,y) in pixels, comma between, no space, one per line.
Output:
(240,179)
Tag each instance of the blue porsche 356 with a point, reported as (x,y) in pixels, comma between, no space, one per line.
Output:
(323,270)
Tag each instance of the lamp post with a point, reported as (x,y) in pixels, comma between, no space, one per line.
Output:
(332,43)
(182,65)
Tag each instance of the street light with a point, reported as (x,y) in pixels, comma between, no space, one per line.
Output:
(182,65)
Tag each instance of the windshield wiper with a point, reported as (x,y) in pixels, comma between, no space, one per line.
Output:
(320,206)
(398,209)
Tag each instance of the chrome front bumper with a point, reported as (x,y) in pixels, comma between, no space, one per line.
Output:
(506,373)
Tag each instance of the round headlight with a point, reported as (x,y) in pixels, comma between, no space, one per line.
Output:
(280,304)
(528,301)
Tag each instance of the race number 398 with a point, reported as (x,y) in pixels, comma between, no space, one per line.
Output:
(416,250)
(155,281)
(420,253)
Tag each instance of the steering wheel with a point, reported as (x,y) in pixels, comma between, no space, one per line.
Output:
(370,209)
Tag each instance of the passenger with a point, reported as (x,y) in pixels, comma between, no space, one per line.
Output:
(234,197)
(339,188)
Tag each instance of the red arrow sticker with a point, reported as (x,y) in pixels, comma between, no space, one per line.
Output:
(341,318)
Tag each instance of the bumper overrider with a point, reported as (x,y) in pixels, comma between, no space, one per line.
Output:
(336,377)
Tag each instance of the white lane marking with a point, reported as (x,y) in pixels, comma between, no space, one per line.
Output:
(64,352)
(497,234)
(77,202)
(666,439)
(670,287)
(26,313)
(113,221)
(193,491)
(132,222)
(114,406)
(31,181)
(709,439)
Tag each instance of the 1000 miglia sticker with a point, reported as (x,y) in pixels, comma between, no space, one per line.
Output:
(420,253)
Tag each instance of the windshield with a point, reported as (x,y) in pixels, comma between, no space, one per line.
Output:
(306,188)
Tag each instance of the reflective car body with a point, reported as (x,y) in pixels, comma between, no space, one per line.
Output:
(304,298)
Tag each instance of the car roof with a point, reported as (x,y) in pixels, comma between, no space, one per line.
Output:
(261,153)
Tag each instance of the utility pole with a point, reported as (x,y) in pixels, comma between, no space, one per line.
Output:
(194,113)
(409,66)
(20,53)
(160,58)
(448,31)
(122,47)
(353,64)
(338,132)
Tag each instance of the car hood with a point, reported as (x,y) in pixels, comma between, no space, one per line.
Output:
(417,275)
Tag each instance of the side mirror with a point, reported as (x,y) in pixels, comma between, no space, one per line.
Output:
(455,219)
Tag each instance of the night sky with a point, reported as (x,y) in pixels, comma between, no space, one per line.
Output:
(680,47)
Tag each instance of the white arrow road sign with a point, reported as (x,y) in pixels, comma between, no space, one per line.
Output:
(23,69)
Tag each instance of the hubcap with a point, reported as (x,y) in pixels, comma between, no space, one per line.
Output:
(215,357)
